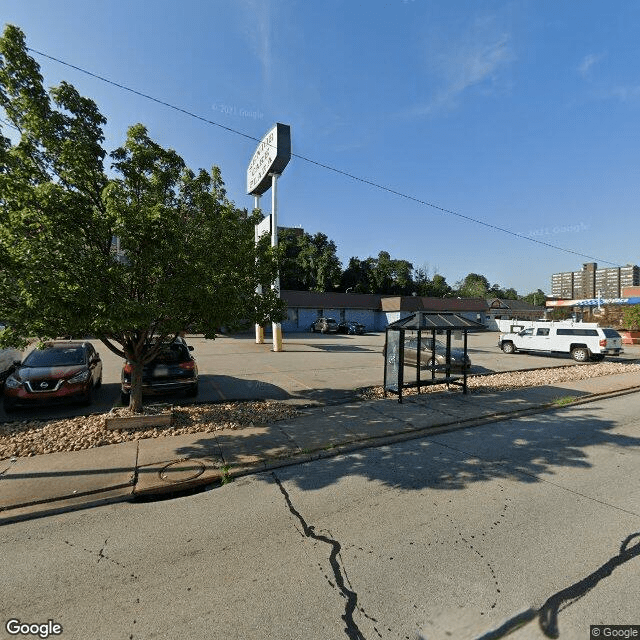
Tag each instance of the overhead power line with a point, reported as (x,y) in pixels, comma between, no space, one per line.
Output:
(324,166)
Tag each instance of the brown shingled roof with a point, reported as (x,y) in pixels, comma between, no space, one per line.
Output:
(416,303)
(338,300)
(316,300)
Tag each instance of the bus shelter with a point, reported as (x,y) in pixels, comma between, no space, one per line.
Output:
(414,341)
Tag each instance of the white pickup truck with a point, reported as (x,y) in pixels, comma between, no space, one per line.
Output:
(584,341)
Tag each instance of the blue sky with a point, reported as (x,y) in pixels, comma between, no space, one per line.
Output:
(523,115)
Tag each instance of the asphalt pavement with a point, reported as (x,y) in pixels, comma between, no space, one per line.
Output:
(150,468)
(313,369)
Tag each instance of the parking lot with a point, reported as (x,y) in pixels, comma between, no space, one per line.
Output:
(312,369)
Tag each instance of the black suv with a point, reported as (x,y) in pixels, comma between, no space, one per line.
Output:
(172,369)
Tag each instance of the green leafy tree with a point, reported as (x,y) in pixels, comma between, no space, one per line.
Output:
(357,277)
(474,286)
(631,317)
(537,297)
(308,263)
(439,286)
(510,294)
(186,255)
(385,275)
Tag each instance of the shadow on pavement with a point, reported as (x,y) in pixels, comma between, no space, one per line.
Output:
(521,449)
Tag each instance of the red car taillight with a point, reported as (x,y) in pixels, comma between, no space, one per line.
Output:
(187,365)
(128,368)
(603,342)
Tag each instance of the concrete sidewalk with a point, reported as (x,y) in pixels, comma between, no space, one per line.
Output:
(52,483)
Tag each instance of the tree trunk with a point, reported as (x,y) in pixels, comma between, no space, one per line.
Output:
(135,398)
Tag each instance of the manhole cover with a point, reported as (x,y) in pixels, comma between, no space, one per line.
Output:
(182,470)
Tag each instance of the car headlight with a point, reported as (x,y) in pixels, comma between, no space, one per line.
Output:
(12,383)
(83,376)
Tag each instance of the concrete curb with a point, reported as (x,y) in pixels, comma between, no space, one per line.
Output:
(129,493)
(421,432)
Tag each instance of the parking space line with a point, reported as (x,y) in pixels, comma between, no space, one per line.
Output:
(289,376)
(217,389)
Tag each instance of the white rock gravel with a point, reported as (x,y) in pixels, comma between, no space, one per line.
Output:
(33,437)
(519,379)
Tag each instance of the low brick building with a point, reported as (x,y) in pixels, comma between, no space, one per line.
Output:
(375,312)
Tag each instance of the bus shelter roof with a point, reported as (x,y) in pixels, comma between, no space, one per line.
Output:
(437,321)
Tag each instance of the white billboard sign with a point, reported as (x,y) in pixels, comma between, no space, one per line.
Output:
(263,228)
(271,156)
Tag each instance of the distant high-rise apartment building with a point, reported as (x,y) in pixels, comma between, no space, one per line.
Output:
(592,282)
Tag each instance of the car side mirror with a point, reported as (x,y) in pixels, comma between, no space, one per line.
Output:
(190,348)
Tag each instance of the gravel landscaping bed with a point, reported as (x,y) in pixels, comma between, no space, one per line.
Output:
(519,379)
(33,437)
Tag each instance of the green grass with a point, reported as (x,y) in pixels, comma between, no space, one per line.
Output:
(560,402)
(226,478)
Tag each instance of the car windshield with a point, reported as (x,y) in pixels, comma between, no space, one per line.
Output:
(425,344)
(171,354)
(55,357)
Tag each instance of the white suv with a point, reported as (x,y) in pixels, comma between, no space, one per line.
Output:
(586,342)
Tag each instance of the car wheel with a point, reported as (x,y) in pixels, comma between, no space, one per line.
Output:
(580,354)
(508,347)
(192,391)
(99,382)
(9,406)
(88,398)
(323,330)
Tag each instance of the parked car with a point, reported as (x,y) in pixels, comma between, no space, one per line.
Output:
(324,325)
(458,360)
(9,358)
(57,372)
(584,341)
(172,369)
(351,327)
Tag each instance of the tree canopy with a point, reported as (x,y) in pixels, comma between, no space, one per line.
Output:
(150,250)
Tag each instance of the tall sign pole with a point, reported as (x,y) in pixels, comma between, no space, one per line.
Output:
(267,164)
(259,327)
(276,327)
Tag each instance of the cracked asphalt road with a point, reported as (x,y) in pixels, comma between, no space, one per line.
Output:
(527,528)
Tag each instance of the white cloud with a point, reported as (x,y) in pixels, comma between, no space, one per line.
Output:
(476,60)
(625,93)
(588,61)
(258,15)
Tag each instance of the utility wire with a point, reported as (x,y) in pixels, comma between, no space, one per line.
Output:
(325,166)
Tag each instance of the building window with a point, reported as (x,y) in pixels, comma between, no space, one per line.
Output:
(320,313)
(292,317)
(342,315)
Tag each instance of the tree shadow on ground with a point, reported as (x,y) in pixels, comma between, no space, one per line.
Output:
(523,449)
